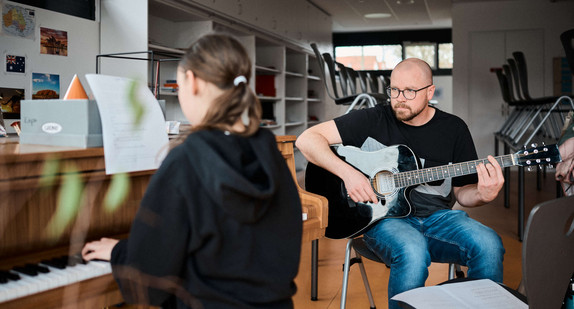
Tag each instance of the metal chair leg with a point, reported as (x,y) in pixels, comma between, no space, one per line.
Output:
(454,271)
(346,267)
(366,283)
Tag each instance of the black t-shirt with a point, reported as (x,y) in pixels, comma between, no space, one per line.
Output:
(443,140)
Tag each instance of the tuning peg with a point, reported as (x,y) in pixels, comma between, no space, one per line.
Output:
(550,166)
(534,145)
(529,168)
(543,144)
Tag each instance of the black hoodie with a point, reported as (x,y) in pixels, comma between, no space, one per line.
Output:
(219,227)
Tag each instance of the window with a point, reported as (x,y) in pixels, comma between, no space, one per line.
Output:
(370,57)
(381,51)
(424,51)
(445,56)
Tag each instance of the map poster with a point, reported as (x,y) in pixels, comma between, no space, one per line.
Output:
(53,42)
(18,21)
(45,86)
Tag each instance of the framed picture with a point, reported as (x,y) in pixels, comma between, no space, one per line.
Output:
(10,102)
(53,42)
(45,86)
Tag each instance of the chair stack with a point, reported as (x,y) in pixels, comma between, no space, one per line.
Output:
(341,83)
(530,120)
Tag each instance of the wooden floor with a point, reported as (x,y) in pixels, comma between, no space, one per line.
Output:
(331,253)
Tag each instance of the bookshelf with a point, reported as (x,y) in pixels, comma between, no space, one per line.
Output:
(278,46)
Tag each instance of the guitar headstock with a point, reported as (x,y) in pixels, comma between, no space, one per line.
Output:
(546,154)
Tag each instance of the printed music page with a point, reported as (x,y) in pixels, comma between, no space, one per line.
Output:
(130,144)
(474,294)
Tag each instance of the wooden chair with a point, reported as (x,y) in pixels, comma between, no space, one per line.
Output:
(315,206)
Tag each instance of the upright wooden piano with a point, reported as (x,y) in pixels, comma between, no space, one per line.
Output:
(29,201)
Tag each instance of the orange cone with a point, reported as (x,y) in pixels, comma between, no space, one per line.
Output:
(75,90)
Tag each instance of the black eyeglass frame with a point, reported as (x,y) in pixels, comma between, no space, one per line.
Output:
(403,92)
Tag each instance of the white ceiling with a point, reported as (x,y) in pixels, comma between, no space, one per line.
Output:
(348,15)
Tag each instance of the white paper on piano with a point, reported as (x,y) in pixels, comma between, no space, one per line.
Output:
(128,147)
(472,294)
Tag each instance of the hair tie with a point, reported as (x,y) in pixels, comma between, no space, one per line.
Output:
(239,79)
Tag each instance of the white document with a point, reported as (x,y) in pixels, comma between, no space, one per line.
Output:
(474,294)
(129,147)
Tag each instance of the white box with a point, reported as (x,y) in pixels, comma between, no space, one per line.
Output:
(73,123)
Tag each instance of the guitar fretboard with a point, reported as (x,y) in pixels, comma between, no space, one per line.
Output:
(415,177)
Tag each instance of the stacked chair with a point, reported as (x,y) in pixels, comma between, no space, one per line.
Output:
(531,119)
(341,83)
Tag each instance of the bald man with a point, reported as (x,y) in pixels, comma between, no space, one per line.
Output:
(433,231)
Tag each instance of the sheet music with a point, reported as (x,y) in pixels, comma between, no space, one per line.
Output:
(474,294)
(128,147)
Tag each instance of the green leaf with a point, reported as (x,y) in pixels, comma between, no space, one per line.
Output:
(135,104)
(117,192)
(69,199)
(49,171)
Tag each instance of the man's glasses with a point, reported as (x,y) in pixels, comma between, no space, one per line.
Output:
(409,94)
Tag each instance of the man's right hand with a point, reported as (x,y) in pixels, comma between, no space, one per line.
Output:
(359,187)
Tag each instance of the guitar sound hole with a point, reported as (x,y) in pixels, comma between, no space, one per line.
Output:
(383,183)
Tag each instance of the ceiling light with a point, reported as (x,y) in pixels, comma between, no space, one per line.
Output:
(377,15)
(405,2)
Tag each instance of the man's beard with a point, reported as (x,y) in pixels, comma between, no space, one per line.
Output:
(408,116)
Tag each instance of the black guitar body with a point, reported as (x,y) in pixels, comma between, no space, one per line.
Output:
(350,219)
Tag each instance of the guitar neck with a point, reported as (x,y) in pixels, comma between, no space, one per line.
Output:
(415,177)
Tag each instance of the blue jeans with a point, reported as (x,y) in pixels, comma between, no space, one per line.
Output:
(408,245)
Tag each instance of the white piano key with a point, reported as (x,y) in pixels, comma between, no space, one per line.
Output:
(60,277)
(13,289)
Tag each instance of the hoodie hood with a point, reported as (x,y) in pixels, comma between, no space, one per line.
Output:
(237,172)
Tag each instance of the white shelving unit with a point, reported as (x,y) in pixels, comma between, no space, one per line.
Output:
(282,54)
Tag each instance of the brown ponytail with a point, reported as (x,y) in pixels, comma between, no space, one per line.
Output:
(220,59)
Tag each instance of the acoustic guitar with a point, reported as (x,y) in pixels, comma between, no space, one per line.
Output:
(394,172)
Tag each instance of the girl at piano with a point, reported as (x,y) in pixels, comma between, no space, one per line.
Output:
(220,223)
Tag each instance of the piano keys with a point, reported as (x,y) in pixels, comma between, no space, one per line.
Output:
(31,279)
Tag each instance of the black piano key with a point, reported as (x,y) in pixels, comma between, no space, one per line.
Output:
(55,262)
(78,258)
(40,269)
(30,271)
(3,278)
(11,276)
(70,261)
